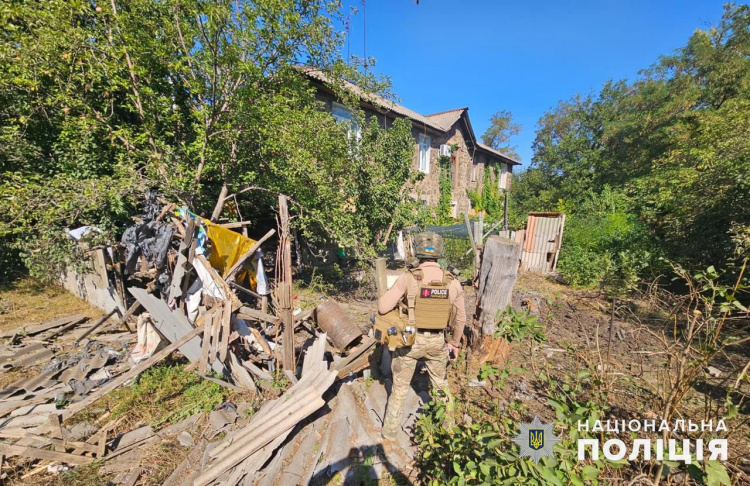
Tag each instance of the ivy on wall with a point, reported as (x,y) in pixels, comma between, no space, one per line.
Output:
(446,196)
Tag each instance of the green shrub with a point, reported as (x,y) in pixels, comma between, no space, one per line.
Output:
(455,250)
(517,325)
(605,244)
(483,452)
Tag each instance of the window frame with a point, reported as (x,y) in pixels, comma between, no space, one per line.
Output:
(346,117)
(424,142)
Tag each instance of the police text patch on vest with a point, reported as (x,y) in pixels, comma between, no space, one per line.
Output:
(434,293)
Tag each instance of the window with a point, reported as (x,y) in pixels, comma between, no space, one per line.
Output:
(342,114)
(473,172)
(503,177)
(424,153)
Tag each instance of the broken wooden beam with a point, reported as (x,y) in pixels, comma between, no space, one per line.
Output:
(43,454)
(341,367)
(256,315)
(96,325)
(238,224)
(249,253)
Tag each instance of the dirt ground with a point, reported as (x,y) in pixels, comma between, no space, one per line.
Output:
(578,329)
(28,303)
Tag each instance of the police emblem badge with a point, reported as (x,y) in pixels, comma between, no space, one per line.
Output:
(536,439)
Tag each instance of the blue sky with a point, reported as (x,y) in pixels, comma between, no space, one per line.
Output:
(518,56)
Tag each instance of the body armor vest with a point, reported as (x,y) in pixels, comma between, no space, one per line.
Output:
(428,303)
(427,307)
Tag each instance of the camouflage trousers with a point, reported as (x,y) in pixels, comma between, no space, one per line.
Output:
(432,349)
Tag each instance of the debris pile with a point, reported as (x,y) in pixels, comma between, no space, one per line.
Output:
(184,284)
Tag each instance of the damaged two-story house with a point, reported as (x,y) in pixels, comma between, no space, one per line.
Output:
(434,136)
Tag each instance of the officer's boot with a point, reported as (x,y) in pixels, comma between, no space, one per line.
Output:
(390,426)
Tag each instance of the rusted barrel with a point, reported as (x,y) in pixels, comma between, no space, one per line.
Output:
(333,321)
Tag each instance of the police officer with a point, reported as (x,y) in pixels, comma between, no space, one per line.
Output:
(432,316)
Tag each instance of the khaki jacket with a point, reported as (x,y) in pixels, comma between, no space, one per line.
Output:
(432,271)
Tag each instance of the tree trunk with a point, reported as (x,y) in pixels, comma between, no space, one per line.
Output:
(284,284)
(220,203)
(497,277)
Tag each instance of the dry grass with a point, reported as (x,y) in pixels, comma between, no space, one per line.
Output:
(27,302)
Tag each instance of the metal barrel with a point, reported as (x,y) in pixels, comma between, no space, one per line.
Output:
(333,321)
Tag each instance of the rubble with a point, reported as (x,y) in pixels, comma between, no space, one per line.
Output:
(184,284)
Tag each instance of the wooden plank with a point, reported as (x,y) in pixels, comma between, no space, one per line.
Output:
(43,454)
(209,319)
(250,252)
(226,323)
(262,341)
(239,224)
(357,364)
(96,325)
(258,372)
(367,343)
(245,291)
(66,328)
(135,371)
(172,324)
(214,336)
(256,315)
(128,314)
(284,284)
(240,374)
(380,276)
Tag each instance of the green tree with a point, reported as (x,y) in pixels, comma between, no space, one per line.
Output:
(501,129)
(204,100)
(673,144)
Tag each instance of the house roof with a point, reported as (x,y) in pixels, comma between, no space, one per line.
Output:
(489,149)
(447,119)
(376,100)
(442,121)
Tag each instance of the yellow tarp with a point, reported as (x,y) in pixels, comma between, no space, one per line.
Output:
(227,247)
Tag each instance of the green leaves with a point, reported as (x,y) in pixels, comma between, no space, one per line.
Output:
(672,143)
(100,102)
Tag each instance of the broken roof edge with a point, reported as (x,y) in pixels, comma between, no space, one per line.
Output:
(378,101)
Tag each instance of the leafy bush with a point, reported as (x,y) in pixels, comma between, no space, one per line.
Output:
(455,250)
(165,394)
(517,325)
(483,453)
(446,195)
(604,243)
(490,199)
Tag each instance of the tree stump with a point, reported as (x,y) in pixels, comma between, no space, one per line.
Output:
(497,276)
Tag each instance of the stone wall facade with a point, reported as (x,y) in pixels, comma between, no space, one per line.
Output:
(467,161)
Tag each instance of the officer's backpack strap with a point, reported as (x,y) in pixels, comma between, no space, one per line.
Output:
(413,279)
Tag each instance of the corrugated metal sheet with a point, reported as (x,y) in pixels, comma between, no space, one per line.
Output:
(541,242)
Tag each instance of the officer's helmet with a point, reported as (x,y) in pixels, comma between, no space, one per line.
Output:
(428,245)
